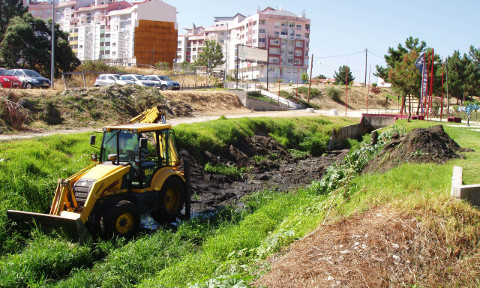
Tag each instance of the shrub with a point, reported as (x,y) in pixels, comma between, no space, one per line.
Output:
(376,90)
(313,92)
(333,93)
(222,169)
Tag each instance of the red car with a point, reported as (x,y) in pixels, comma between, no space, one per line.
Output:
(9,81)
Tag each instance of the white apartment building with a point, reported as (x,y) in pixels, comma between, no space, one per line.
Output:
(285,35)
(119,31)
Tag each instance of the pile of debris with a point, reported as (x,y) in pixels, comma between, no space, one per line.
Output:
(421,145)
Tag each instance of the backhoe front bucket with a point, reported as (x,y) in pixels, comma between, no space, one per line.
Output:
(74,227)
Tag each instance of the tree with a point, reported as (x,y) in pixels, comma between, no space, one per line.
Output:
(304,77)
(8,10)
(405,77)
(340,77)
(212,55)
(396,56)
(27,43)
(463,73)
(321,76)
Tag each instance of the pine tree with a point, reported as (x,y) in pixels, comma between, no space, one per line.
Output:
(211,56)
(8,10)
(27,44)
(340,76)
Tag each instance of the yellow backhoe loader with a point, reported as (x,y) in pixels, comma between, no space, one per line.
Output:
(136,172)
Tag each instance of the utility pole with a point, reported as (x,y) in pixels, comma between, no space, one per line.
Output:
(237,65)
(346,90)
(153,55)
(310,81)
(52,63)
(368,86)
(446,80)
(366,53)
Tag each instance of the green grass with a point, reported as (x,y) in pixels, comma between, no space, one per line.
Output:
(222,169)
(309,134)
(230,247)
(29,173)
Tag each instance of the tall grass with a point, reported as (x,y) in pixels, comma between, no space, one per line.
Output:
(230,246)
(29,173)
(305,134)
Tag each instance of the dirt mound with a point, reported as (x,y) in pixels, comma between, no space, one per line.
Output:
(379,248)
(421,145)
(206,101)
(269,165)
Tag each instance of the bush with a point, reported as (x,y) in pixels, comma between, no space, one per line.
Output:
(375,90)
(333,93)
(98,66)
(313,92)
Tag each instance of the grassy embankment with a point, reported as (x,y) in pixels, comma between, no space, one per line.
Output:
(30,169)
(229,247)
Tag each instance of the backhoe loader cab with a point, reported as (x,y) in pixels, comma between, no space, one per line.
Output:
(136,173)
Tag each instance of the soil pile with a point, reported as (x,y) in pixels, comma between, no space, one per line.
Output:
(378,248)
(422,145)
(268,165)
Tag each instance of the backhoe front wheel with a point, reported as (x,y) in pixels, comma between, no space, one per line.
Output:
(170,200)
(123,220)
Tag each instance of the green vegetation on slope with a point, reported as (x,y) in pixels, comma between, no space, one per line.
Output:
(229,247)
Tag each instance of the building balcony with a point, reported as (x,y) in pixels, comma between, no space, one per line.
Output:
(73,42)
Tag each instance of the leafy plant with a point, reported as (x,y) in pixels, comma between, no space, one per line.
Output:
(222,169)
(333,93)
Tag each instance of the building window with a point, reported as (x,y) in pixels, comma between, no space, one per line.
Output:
(299,26)
(297,61)
(261,40)
(261,22)
(277,24)
(276,33)
(261,31)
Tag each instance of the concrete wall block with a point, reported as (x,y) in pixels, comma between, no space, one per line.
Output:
(456,182)
(471,193)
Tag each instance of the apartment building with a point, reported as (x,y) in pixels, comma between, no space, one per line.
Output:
(121,32)
(284,34)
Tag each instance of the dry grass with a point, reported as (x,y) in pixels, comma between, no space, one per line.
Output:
(383,247)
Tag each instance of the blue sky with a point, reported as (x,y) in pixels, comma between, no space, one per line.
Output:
(340,27)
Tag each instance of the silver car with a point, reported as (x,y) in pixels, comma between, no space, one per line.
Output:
(111,79)
(163,82)
(139,80)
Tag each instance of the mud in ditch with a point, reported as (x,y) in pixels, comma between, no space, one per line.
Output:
(268,166)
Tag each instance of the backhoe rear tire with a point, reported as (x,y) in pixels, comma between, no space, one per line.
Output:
(171,199)
(123,220)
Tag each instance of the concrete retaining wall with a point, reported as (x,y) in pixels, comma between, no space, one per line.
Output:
(256,104)
(470,193)
(368,123)
(352,132)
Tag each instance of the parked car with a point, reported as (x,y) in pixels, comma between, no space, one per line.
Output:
(8,81)
(111,79)
(139,79)
(163,82)
(30,79)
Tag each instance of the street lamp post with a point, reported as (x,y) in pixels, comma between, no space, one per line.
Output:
(52,63)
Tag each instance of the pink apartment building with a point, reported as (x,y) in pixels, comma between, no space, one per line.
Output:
(284,34)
